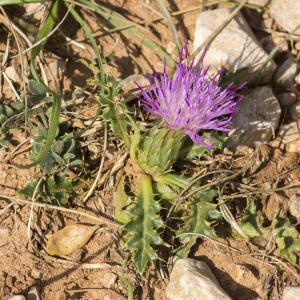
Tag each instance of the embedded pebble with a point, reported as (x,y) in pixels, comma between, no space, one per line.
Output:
(294,206)
(290,136)
(295,111)
(257,2)
(33,294)
(191,279)
(287,98)
(256,119)
(128,83)
(235,48)
(286,13)
(297,79)
(287,72)
(291,293)
(14,297)
(34,11)
(108,280)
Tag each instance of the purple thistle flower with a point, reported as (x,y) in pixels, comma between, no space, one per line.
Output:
(191,101)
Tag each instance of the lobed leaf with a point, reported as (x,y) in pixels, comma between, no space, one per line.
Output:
(196,222)
(142,232)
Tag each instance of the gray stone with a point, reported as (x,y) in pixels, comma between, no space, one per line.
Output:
(193,280)
(256,119)
(290,136)
(295,111)
(286,13)
(287,99)
(287,72)
(235,48)
(291,293)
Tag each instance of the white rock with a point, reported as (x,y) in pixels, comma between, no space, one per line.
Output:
(294,206)
(13,74)
(287,72)
(291,293)
(108,280)
(235,48)
(297,79)
(33,294)
(290,136)
(295,111)
(256,119)
(15,297)
(257,2)
(4,232)
(286,13)
(193,280)
(287,98)
(34,11)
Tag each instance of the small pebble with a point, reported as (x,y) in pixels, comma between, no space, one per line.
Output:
(287,99)
(291,293)
(295,111)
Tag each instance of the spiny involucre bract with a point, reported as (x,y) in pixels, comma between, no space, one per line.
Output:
(191,100)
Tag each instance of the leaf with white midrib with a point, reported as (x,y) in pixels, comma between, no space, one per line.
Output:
(142,232)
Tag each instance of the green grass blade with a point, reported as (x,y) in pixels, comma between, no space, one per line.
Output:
(12,2)
(168,19)
(117,20)
(88,33)
(45,29)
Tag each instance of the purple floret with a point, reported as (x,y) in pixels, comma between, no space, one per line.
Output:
(191,101)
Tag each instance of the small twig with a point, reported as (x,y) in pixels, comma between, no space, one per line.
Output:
(211,239)
(51,32)
(94,185)
(277,260)
(100,219)
(6,208)
(23,82)
(11,86)
(26,39)
(227,215)
(31,209)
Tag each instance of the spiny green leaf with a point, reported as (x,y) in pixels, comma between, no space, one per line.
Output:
(142,229)
(196,222)
(251,223)
(287,239)
(44,30)
(121,202)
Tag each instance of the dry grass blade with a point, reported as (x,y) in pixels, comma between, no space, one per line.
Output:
(31,209)
(114,19)
(93,187)
(168,19)
(100,219)
(230,219)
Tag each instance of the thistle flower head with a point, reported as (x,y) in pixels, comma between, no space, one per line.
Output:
(191,100)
